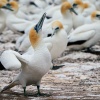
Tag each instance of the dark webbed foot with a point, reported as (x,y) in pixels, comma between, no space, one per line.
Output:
(92,51)
(57,67)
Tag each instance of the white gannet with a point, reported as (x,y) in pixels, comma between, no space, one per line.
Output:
(16,24)
(36,65)
(79,19)
(23,43)
(58,40)
(90,8)
(87,35)
(64,15)
(97,4)
(2,14)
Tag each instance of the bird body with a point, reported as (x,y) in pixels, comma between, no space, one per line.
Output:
(58,40)
(87,35)
(36,65)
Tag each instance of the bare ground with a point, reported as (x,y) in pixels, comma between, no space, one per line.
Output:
(79,79)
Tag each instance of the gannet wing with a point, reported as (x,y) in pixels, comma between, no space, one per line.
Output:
(84,36)
(9,60)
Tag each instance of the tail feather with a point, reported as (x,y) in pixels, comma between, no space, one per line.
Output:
(8,87)
(57,67)
(1,66)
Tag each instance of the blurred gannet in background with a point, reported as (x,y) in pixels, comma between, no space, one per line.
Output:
(90,8)
(87,35)
(2,14)
(36,65)
(64,16)
(97,4)
(79,19)
(23,43)
(17,25)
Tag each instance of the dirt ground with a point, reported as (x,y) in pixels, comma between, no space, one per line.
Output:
(79,79)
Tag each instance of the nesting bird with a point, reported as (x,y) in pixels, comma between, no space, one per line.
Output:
(2,14)
(87,35)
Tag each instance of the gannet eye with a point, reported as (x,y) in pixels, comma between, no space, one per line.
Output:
(57,28)
(97,15)
(74,5)
(8,5)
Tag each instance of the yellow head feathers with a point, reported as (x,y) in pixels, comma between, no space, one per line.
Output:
(79,2)
(94,14)
(34,37)
(2,3)
(65,6)
(85,5)
(57,24)
(14,5)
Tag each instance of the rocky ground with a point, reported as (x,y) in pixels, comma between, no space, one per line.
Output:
(79,79)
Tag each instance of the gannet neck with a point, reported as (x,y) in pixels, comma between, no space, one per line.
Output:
(2,15)
(35,39)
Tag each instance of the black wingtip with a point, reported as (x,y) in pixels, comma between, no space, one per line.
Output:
(57,67)
(1,66)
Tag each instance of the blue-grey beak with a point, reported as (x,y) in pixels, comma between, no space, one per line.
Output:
(72,10)
(7,7)
(39,25)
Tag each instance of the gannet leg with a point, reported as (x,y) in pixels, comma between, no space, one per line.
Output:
(24,91)
(38,88)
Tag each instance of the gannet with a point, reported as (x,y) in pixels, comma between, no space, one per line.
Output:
(79,19)
(87,35)
(23,43)
(36,65)
(58,40)
(90,8)
(2,14)
(64,16)
(16,24)
(97,4)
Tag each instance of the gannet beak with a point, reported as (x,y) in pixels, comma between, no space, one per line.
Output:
(39,25)
(72,10)
(7,7)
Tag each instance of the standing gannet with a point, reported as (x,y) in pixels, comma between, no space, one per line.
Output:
(79,19)
(58,40)
(16,24)
(87,35)
(89,8)
(36,65)
(2,14)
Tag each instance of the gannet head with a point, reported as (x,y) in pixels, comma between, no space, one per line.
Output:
(13,5)
(80,4)
(95,16)
(77,3)
(85,5)
(56,26)
(4,6)
(67,6)
(34,34)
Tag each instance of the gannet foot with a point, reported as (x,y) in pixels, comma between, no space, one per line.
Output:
(57,67)
(92,51)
